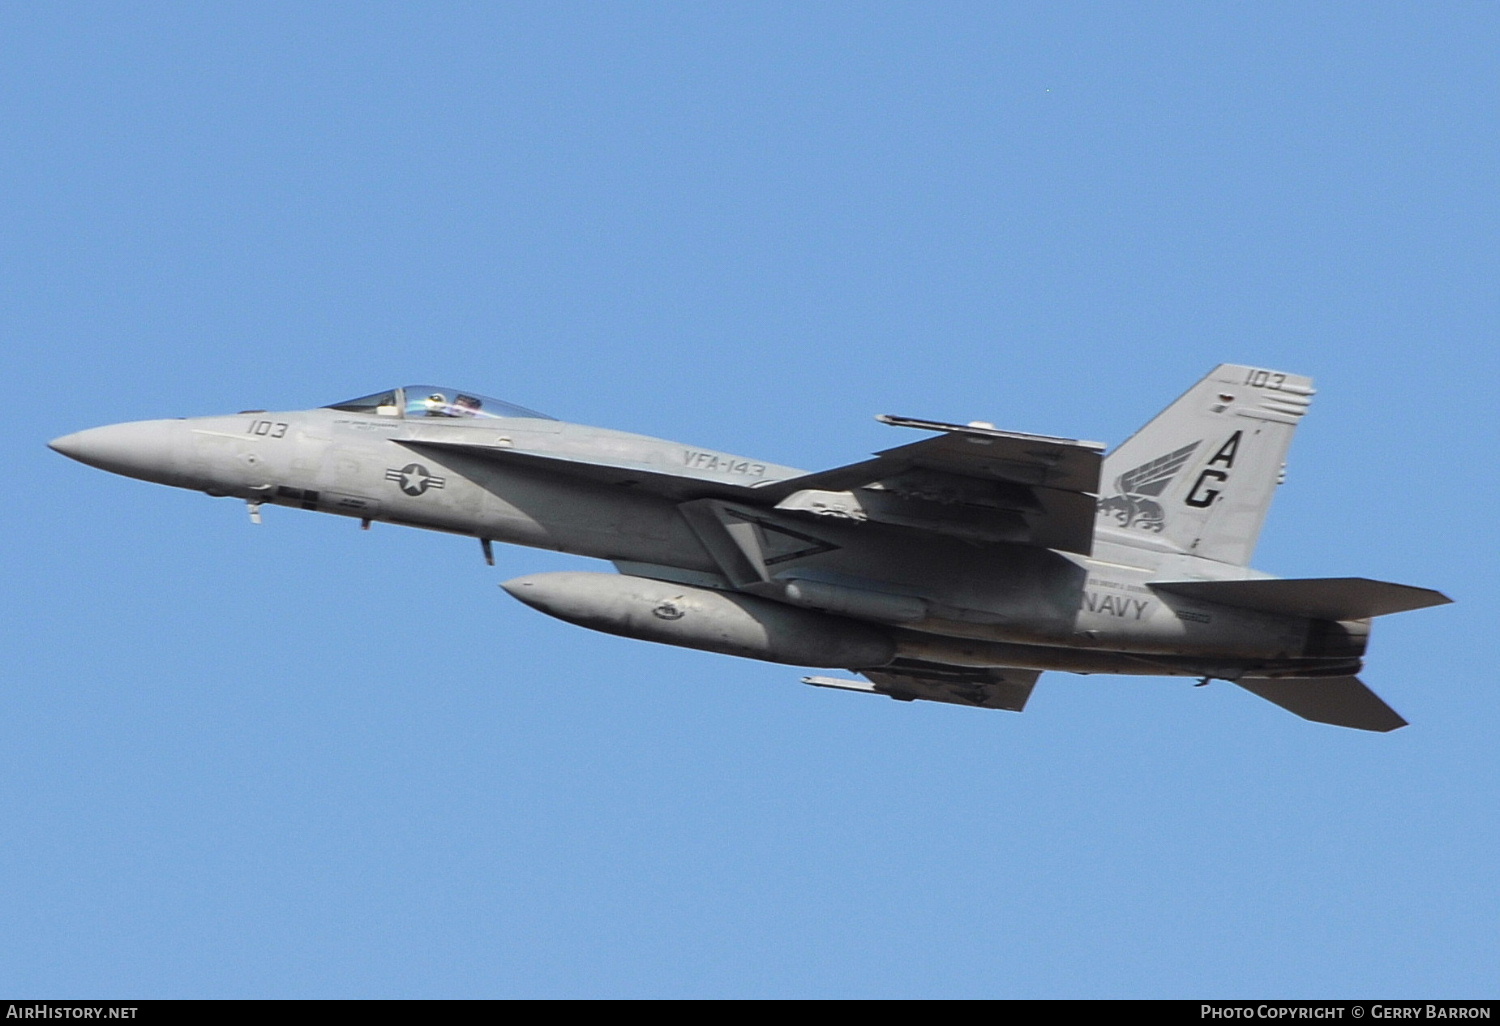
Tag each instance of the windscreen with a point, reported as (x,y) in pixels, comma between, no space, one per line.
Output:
(385,403)
(435,401)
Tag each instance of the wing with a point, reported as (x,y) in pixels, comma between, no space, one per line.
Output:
(607,457)
(971,482)
(1321,598)
(986,688)
(605,471)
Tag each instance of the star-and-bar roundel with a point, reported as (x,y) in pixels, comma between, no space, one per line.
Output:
(414,479)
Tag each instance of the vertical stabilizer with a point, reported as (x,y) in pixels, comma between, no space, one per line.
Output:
(1201,475)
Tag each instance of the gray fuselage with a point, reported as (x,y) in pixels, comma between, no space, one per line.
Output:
(617,496)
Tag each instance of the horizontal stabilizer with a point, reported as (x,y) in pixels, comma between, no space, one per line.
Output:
(1320,598)
(1341,701)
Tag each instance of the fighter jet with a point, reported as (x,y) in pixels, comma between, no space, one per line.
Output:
(956,568)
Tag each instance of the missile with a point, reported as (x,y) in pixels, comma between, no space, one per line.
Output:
(714,621)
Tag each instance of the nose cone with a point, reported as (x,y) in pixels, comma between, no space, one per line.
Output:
(532,589)
(147,449)
(570,594)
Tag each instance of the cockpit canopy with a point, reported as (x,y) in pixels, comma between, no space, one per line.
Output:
(434,401)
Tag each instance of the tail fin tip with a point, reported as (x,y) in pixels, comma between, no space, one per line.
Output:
(1202,473)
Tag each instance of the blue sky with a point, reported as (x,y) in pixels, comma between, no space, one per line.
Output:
(302,760)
